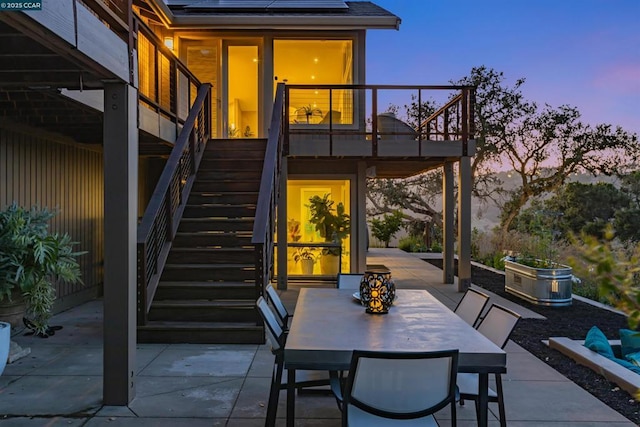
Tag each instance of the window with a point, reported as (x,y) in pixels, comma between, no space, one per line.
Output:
(316,62)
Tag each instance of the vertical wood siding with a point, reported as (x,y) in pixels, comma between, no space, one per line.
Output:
(37,171)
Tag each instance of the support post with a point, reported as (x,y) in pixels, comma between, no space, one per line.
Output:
(120,216)
(361,225)
(282,230)
(464,223)
(448,223)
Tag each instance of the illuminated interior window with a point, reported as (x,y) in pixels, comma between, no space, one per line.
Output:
(203,61)
(243,91)
(302,232)
(316,62)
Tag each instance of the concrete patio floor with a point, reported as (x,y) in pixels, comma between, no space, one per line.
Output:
(60,382)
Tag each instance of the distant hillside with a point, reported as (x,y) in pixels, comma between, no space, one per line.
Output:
(486,217)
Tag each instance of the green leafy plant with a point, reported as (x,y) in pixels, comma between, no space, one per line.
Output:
(309,112)
(384,229)
(412,244)
(333,223)
(615,270)
(32,259)
(304,254)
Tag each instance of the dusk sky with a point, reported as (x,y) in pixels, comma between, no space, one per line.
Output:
(584,53)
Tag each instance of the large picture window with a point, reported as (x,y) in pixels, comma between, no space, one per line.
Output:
(316,62)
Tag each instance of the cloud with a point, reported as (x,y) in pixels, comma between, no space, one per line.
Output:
(621,77)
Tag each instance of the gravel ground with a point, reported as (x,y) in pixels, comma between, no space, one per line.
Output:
(573,322)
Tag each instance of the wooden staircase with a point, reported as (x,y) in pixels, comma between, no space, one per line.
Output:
(207,290)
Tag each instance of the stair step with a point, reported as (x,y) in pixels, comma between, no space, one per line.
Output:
(257,153)
(219,211)
(201,333)
(211,272)
(202,186)
(215,224)
(239,164)
(234,144)
(223,197)
(229,175)
(212,239)
(204,311)
(205,290)
(211,255)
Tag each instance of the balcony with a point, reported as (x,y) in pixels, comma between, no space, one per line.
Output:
(351,121)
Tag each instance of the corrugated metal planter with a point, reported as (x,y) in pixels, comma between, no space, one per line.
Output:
(541,286)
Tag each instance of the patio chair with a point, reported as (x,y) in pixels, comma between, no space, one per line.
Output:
(349,281)
(277,338)
(471,305)
(280,310)
(497,325)
(389,388)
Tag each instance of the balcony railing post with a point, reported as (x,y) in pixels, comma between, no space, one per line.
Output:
(465,122)
(446,125)
(419,122)
(285,148)
(330,122)
(374,122)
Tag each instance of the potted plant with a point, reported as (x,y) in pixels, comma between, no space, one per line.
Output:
(307,259)
(333,224)
(308,112)
(31,260)
(533,274)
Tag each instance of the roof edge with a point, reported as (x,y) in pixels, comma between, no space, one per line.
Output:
(273,22)
(283,22)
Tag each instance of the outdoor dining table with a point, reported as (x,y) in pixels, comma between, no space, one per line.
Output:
(330,323)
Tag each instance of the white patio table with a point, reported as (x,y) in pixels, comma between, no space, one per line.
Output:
(329,324)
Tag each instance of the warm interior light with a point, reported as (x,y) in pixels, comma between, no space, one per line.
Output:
(168,42)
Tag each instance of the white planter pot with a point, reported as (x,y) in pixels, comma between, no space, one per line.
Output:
(541,286)
(5,341)
(307,266)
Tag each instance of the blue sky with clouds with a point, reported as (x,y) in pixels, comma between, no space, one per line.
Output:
(584,53)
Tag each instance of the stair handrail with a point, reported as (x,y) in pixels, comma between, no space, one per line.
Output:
(439,123)
(164,211)
(265,218)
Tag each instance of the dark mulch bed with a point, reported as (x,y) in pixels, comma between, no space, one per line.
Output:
(573,322)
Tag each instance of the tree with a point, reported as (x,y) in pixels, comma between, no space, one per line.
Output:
(384,229)
(585,208)
(545,148)
(496,105)
(627,220)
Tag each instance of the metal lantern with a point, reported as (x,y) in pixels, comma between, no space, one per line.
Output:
(377,291)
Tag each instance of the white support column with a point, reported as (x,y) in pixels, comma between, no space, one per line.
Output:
(120,225)
(448,223)
(282,231)
(464,223)
(361,225)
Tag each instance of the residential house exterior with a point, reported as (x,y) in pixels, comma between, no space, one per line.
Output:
(183,141)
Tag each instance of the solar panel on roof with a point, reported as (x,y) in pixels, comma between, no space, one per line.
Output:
(262,5)
(308,4)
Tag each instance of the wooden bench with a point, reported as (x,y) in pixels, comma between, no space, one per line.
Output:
(613,372)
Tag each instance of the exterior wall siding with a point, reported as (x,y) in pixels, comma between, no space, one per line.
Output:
(37,170)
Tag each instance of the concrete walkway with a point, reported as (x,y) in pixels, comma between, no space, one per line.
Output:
(60,382)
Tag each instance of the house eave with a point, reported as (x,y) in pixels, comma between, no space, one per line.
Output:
(272,22)
(286,22)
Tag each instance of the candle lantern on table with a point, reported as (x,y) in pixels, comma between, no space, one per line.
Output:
(377,291)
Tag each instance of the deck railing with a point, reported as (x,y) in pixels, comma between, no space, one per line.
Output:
(115,13)
(166,86)
(162,216)
(265,218)
(334,112)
